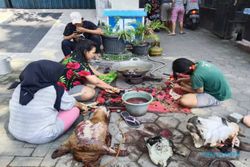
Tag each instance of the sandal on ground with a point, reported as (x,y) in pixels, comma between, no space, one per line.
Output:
(182,33)
(130,120)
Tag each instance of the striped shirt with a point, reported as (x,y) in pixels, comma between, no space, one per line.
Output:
(37,121)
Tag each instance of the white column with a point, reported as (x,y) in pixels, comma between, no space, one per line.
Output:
(100,6)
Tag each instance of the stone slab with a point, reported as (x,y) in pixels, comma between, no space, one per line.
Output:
(26,161)
(5,160)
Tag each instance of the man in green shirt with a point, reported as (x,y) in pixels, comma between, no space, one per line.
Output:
(205,84)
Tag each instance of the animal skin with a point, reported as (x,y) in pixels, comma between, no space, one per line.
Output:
(212,131)
(159,150)
(90,140)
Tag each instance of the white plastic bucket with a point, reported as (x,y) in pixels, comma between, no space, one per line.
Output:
(5,67)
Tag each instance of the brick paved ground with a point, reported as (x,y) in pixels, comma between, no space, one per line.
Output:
(196,45)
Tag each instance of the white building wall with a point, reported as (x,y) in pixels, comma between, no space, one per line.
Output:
(114,4)
(124,4)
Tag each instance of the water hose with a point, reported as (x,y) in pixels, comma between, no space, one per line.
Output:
(156,61)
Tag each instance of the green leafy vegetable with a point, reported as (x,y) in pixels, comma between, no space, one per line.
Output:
(108,78)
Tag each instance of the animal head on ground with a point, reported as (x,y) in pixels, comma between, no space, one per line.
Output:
(212,131)
(159,149)
(101,114)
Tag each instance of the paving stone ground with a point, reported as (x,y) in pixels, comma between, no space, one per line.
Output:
(27,27)
(196,45)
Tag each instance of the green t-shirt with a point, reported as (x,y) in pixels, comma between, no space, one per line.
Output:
(209,77)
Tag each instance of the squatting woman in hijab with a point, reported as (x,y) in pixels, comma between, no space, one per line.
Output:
(40,110)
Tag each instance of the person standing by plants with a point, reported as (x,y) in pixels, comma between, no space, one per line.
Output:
(177,13)
(77,29)
(166,7)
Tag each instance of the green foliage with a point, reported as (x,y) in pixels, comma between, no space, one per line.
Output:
(140,31)
(108,78)
(153,36)
(126,35)
(147,7)
(116,32)
(146,32)
(117,57)
(157,24)
(107,30)
(139,34)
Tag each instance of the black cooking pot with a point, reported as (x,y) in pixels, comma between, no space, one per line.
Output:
(133,74)
(134,80)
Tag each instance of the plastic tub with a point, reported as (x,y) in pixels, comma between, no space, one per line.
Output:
(137,109)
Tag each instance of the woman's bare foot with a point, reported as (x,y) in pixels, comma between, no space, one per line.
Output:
(172,34)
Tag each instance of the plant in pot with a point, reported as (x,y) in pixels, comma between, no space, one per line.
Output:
(155,26)
(145,33)
(112,44)
(139,43)
(114,39)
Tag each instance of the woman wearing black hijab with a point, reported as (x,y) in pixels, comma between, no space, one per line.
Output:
(78,72)
(40,110)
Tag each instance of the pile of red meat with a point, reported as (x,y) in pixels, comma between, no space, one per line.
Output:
(163,102)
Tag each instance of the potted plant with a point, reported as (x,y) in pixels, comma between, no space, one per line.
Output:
(139,44)
(114,40)
(157,25)
(143,33)
(112,44)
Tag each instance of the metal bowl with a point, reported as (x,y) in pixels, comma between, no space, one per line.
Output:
(133,65)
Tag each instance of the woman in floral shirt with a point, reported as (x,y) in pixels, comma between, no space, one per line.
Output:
(78,72)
